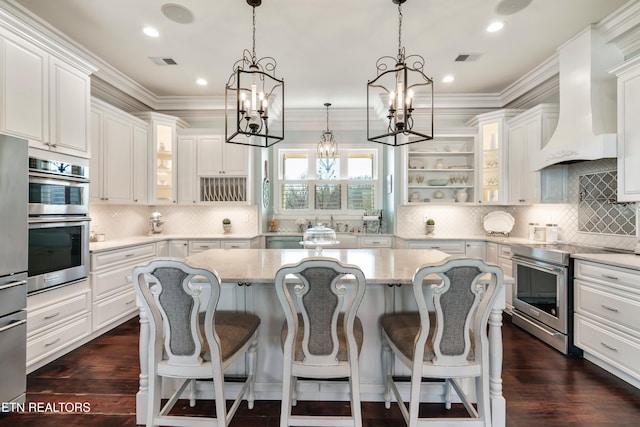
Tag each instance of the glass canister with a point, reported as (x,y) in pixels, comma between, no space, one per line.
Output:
(532,230)
(539,233)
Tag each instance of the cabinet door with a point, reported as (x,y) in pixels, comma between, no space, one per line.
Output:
(236,159)
(179,248)
(524,184)
(117,151)
(210,159)
(491,254)
(490,163)
(629,136)
(164,148)
(24,90)
(140,169)
(475,249)
(187,179)
(69,109)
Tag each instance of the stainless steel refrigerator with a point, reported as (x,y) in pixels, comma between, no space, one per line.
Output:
(14,164)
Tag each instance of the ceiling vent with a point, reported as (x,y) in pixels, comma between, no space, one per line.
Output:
(467,57)
(158,60)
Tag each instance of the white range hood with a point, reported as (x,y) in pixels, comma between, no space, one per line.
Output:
(587,122)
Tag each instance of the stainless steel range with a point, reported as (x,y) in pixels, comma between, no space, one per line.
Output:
(543,292)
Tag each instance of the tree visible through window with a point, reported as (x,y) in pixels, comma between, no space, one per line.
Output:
(349,184)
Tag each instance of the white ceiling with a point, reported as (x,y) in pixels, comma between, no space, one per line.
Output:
(326,49)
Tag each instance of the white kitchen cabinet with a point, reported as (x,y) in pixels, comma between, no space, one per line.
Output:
(113,296)
(212,171)
(491,254)
(457,247)
(179,248)
(374,241)
(607,327)
(24,92)
(476,249)
(492,155)
(163,157)
(118,142)
(437,169)
(44,99)
(628,131)
(57,321)
(218,158)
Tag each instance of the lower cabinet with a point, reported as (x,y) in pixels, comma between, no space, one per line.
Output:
(113,296)
(607,327)
(449,246)
(57,321)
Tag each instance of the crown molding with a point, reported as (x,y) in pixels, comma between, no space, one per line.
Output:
(622,28)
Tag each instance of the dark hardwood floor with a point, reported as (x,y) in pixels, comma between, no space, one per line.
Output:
(541,387)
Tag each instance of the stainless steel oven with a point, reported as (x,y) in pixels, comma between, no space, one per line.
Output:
(58,251)
(57,188)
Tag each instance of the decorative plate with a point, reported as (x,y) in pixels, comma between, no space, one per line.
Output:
(498,222)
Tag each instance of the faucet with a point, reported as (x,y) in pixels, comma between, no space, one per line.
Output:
(333,225)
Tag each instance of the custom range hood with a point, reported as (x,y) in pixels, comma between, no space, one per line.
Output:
(587,122)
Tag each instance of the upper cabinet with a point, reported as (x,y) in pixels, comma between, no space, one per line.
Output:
(163,157)
(628,131)
(528,132)
(492,155)
(441,170)
(43,99)
(118,167)
(212,171)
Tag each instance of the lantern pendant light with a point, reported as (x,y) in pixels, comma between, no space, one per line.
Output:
(400,84)
(327,147)
(254,99)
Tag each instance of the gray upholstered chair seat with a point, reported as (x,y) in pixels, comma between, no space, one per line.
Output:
(234,330)
(342,339)
(402,329)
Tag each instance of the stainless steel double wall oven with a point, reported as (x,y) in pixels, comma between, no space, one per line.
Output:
(58,223)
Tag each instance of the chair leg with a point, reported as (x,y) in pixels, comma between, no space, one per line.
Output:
(387,361)
(252,374)
(294,391)
(192,393)
(153,398)
(354,382)
(447,393)
(287,391)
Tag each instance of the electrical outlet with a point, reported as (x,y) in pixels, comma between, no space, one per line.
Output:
(246,217)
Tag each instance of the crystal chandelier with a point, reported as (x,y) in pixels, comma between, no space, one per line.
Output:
(399,82)
(256,91)
(327,147)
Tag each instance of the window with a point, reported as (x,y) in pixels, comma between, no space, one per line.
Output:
(305,184)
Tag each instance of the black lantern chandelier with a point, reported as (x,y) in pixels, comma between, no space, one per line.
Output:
(256,91)
(402,83)
(327,147)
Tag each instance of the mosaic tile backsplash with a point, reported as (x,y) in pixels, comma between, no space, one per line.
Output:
(598,209)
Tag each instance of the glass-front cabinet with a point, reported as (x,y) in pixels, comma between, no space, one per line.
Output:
(492,156)
(163,143)
(441,171)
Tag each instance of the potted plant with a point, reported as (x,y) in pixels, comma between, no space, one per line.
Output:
(226,225)
(430,225)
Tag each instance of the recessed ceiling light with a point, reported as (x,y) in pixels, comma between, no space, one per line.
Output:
(447,79)
(150,31)
(495,26)
(202,82)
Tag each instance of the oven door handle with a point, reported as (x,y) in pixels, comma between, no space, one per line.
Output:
(59,179)
(13,324)
(41,220)
(538,266)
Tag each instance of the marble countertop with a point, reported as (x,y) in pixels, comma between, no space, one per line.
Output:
(619,260)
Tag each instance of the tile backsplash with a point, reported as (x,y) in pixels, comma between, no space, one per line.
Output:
(467,220)
(121,221)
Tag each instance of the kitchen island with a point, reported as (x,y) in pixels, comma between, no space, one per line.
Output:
(247,276)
